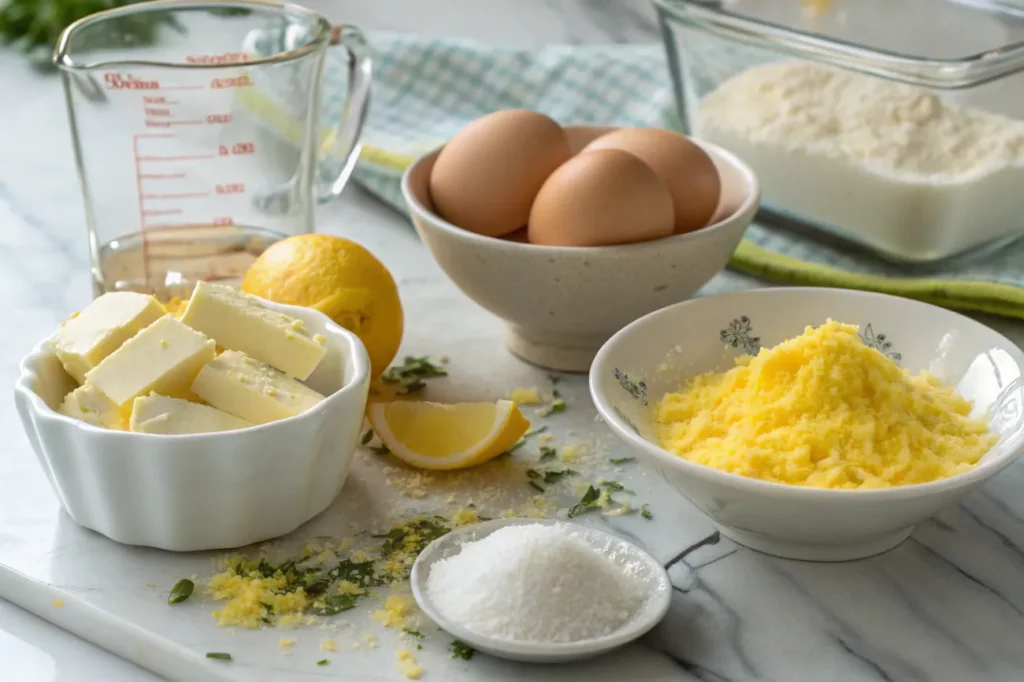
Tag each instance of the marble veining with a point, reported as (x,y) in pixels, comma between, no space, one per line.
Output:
(947,605)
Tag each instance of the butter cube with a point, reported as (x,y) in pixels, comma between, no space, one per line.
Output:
(90,405)
(173,416)
(162,358)
(253,390)
(237,321)
(101,328)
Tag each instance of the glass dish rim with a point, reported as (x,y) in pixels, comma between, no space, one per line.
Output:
(960,72)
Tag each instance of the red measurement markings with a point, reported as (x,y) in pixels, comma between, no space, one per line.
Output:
(223,220)
(151,99)
(231,188)
(168,124)
(162,176)
(182,195)
(237,148)
(218,118)
(126,81)
(235,82)
(154,111)
(142,213)
(223,58)
(185,157)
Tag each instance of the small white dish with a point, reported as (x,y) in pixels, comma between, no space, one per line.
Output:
(202,491)
(659,595)
(659,352)
(561,303)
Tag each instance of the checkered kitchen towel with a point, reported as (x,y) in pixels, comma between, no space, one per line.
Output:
(426,89)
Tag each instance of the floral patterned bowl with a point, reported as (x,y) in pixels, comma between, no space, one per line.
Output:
(657,353)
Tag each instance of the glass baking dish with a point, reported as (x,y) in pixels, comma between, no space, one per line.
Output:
(865,170)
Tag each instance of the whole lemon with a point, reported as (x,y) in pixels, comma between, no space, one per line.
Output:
(340,279)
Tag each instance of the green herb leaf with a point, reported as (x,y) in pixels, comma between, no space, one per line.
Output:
(532,473)
(334,605)
(218,655)
(646,513)
(323,661)
(557,405)
(413,633)
(556,476)
(535,486)
(181,591)
(613,486)
(410,374)
(586,503)
(367,437)
(621,460)
(462,650)
(547,452)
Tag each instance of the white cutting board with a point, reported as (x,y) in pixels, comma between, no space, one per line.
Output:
(44,556)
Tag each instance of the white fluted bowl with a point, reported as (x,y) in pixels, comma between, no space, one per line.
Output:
(202,491)
(658,353)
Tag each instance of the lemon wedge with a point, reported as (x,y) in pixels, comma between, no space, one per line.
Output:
(447,436)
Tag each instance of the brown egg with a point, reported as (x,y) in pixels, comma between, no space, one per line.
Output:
(486,178)
(580,136)
(598,198)
(686,169)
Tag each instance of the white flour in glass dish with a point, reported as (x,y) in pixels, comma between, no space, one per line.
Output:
(914,175)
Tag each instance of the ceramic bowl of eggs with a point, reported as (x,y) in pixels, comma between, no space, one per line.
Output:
(568,233)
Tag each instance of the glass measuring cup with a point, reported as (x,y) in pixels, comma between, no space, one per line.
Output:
(199,149)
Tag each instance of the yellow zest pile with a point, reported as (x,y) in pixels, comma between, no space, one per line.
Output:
(823,410)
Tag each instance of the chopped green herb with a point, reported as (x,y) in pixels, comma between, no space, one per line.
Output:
(536,486)
(532,473)
(534,432)
(462,650)
(621,460)
(323,661)
(557,405)
(547,452)
(410,374)
(419,647)
(555,393)
(646,513)
(614,486)
(522,441)
(334,605)
(181,591)
(554,379)
(218,655)
(587,502)
(423,532)
(413,633)
(555,476)
(367,437)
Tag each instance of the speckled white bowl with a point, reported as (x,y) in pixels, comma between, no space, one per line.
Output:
(657,353)
(561,303)
(203,491)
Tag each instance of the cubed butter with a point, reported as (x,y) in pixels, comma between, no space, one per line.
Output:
(174,416)
(162,358)
(96,332)
(252,390)
(237,321)
(90,405)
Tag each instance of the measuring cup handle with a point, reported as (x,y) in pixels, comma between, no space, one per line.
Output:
(346,144)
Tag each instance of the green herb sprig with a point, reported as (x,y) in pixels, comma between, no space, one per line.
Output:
(411,373)
(462,650)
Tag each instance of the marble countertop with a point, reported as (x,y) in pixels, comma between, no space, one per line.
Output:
(861,621)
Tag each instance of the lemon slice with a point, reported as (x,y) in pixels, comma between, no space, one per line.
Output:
(454,436)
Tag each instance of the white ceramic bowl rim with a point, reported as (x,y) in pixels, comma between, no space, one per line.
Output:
(1001,456)
(751,197)
(650,613)
(354,351)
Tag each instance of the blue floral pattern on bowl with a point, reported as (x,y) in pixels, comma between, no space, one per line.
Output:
(879,342)
(637,389)
(740,334)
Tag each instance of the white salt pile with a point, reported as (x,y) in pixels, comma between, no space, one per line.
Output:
(535,583)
